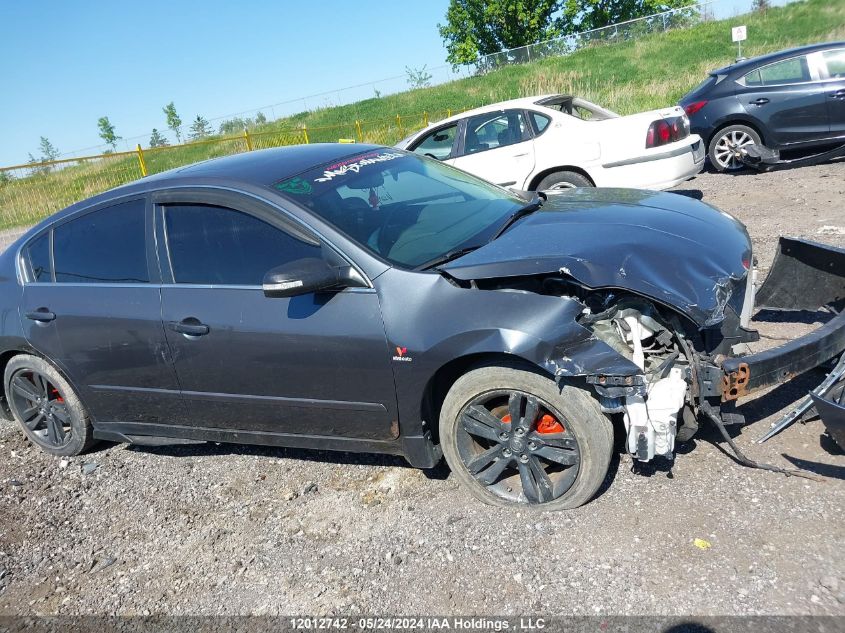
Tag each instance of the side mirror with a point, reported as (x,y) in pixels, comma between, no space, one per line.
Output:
(302,276)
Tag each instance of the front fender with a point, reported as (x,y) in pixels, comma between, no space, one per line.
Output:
(433,322)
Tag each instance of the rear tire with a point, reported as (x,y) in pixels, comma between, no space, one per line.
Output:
(719,150)
(575,459)
(46,407)
(563,180)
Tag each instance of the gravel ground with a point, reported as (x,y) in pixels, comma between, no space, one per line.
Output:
(223,529)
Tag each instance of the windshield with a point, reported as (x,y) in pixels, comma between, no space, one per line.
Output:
(408,209)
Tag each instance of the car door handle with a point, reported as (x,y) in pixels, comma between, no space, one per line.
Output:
(760,101)
(838,94)
(191,328)
(42,316)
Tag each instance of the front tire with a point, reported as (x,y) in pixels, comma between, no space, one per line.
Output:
(563,180)
(514,437)
(720,150)
(46,407)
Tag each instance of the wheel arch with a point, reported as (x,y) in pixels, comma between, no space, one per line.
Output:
(442,380)
(551,170)
(7,355)
(737,120)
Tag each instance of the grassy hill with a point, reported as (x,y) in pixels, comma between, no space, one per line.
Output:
(629,76)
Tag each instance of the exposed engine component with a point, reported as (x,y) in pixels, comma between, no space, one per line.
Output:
(651,420)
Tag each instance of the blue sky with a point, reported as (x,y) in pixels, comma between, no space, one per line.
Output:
(68,63)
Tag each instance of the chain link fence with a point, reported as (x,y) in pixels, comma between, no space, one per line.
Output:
(31,192)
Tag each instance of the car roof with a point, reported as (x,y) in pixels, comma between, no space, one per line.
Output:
(266,166)
(749,64)
(521,102)
(257,168)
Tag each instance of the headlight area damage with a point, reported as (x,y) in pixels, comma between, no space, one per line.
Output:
(663,365)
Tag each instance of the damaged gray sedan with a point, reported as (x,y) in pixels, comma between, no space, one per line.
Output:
(367,299)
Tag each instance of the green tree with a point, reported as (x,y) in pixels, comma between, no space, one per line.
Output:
(34,171)
(199,128)
(107,132)
(583,15)
(48,150)
(173,120)
(418,77)
(260,119)
(233,126)
(157,140)
(481,27)
(6,177)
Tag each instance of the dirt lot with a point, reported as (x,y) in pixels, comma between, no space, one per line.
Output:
(216,529)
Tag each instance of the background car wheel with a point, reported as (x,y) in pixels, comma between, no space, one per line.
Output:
(563,180)
(512,436)
(724,141)
(46,407)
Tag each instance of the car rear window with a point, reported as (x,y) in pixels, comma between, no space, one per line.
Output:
(704,85)
(106,246)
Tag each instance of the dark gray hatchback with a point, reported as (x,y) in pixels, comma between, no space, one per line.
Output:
(363,298)
(791,99)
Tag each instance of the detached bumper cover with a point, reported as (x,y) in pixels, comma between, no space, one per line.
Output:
(804,276)
(833,417)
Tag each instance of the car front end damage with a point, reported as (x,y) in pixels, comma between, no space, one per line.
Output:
(682,375)
(667,289)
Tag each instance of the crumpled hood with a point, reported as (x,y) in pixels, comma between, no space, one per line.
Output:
(668,247)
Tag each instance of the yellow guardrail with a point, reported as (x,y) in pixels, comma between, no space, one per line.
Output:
(31,192)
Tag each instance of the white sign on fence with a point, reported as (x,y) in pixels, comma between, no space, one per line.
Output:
(738,33)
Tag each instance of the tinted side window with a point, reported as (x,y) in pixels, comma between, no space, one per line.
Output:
(495,129)
(541,122)
(752,78)
(789,71)
(438,144)
(106,246)
(38,255)
(217,246)
(835,61)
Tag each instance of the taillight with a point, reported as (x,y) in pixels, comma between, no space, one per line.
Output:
(695,106)
(667,131)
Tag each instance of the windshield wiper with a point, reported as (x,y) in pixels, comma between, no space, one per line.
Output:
(528,209)
(447,257)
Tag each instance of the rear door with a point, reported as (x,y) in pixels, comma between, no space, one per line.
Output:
(315,364)
(788,99)
(498,147)
(91,304)
(833,67)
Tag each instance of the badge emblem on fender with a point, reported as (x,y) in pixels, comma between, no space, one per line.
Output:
(400,355)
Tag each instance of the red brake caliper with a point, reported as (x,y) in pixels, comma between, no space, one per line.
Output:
(57,397)
(546,426)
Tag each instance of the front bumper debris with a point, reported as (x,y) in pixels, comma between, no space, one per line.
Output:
(804,276)
(762,158)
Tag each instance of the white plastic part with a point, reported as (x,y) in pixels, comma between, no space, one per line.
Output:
(652,422)
(748,301)
(638,332)
(640,433)
(665,399)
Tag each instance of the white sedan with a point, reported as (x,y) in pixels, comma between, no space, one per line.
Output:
(558,141)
